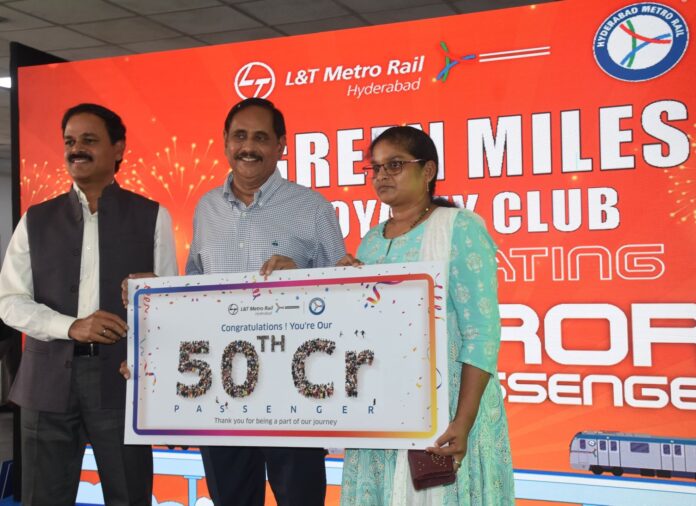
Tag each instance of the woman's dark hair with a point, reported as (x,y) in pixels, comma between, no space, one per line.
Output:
(420,145)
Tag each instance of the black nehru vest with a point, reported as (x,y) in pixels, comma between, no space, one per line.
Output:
(126,245)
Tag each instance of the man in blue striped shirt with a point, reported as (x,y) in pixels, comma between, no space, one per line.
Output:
(258,220)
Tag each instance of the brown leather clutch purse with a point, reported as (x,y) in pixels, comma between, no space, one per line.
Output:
(430,470)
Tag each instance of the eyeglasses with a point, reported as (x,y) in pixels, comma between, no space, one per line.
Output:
(392,167)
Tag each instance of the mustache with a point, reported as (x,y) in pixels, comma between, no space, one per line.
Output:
(80,155)
(248,154)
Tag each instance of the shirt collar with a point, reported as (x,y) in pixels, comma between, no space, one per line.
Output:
(263,193)
(82,198)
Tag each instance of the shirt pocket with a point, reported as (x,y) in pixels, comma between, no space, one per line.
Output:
(294,248)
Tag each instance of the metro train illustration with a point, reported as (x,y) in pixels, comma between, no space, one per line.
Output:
(618,453)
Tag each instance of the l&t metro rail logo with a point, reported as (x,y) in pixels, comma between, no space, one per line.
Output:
(255,79)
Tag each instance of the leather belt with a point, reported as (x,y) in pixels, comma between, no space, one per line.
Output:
(86,350)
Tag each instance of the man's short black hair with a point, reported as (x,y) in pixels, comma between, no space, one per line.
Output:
(113,122)
(278,120)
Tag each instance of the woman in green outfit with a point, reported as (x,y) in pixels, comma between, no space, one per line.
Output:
(403,170)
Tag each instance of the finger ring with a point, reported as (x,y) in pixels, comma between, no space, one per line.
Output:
(103,332)
(458,462)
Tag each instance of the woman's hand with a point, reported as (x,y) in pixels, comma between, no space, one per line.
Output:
(349,261)
(452,442)
(455,438)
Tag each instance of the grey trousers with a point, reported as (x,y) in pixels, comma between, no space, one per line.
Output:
(9,358)
(53,445)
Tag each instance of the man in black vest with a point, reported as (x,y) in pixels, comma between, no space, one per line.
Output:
(60,284)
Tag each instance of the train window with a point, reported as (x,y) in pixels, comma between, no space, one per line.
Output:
(677,450)
(665,450)
(582,444)
(613,446)
(640,448)
(602,445)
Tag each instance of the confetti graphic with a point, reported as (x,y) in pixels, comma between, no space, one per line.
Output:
(377,295)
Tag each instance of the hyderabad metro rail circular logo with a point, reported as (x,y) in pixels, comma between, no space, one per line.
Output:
(641,41)
(317,306)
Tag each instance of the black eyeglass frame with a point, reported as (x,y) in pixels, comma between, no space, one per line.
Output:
(392,167)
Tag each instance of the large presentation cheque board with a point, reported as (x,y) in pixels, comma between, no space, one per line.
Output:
(336,357)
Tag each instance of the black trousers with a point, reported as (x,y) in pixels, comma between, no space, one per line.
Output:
(53,445)
(236,476)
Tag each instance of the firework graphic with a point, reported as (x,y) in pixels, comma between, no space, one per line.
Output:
(41,182)
(180,176)
(176,176)
(683,181)
(683,188)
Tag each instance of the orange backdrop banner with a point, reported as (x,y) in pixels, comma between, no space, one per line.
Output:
(567,126)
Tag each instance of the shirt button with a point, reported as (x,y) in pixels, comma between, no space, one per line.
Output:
(244,214)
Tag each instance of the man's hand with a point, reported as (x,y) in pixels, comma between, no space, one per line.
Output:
(349,261)
(123,369)
(99,327)
(124,284)
(277,263)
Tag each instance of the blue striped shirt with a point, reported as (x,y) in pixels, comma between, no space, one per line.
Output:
(283,219)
